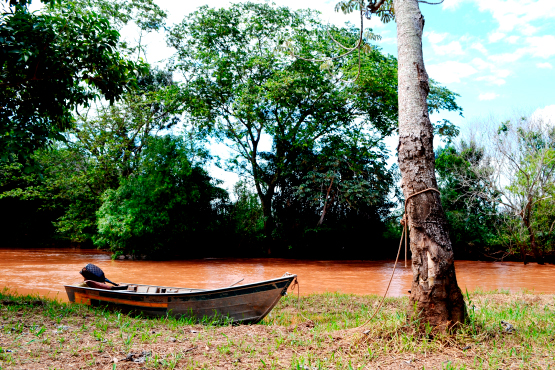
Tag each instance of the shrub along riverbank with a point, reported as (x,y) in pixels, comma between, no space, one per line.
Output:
(317,332)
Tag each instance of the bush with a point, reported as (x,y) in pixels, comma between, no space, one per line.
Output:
(165,206)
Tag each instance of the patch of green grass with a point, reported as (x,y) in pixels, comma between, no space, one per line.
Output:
(319,331)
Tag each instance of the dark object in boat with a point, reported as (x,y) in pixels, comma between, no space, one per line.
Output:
(95,273)
(247,303)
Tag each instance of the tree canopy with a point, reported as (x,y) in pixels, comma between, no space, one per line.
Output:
(53,62)
(243,85)
(518,173)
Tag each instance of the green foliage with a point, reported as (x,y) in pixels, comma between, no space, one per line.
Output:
(371,78)
(336,196)
(144,13)
(74,193)
(439,99)
(386,12)
(247,216)
(115,134)
(241,88)
(447,130)
(527,147)
(111,177)
(499,195)
(27,223)
(52,63)
(473,220)
(61,186)
(373,81)
(104,147)
(348,171)
(243,85)
(164,208)
(544,224)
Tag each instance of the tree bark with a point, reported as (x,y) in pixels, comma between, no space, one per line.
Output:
(266,202)
(435,293)
(533,245)
(523,253)
(321,220)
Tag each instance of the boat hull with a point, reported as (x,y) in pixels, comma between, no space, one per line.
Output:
(248,303)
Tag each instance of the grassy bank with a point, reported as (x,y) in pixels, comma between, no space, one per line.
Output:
(318,332)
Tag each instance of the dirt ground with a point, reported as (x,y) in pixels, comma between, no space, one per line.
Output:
(505,331)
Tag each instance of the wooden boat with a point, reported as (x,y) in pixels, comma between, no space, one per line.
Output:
(247,303)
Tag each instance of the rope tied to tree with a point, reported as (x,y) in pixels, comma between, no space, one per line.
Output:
(404,233)
(404,219)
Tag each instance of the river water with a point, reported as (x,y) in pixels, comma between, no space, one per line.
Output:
(45,271)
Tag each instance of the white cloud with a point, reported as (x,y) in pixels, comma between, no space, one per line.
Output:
(545,65)
(501,72)
(487,96)
(478,46)
(387,40)
(452,48)
(511,14)
(528,29)
(518,14)
(482,64)
(374,23)
(435,37)
(513,39)
(465,38)
(492,79)
(451,4)
(546,114)
(450,71)
(538,46)
(496,36)
(507,57)
(496,75)
(541,46)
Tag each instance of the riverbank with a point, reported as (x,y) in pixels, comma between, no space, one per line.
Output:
(316,332)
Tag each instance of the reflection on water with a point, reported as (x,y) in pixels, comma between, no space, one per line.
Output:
(46,271)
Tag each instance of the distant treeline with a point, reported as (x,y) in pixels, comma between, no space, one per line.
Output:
(115,155)
(169,207)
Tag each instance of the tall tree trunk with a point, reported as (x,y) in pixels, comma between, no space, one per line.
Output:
(537,253)
(266,201)
(532,235)
(523,253)
(435,292)
(321,220)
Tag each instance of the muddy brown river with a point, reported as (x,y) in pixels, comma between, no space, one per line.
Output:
(45,271)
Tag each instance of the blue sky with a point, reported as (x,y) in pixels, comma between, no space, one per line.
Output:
(499,55)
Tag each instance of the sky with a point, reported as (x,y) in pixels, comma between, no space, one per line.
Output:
(499,55)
